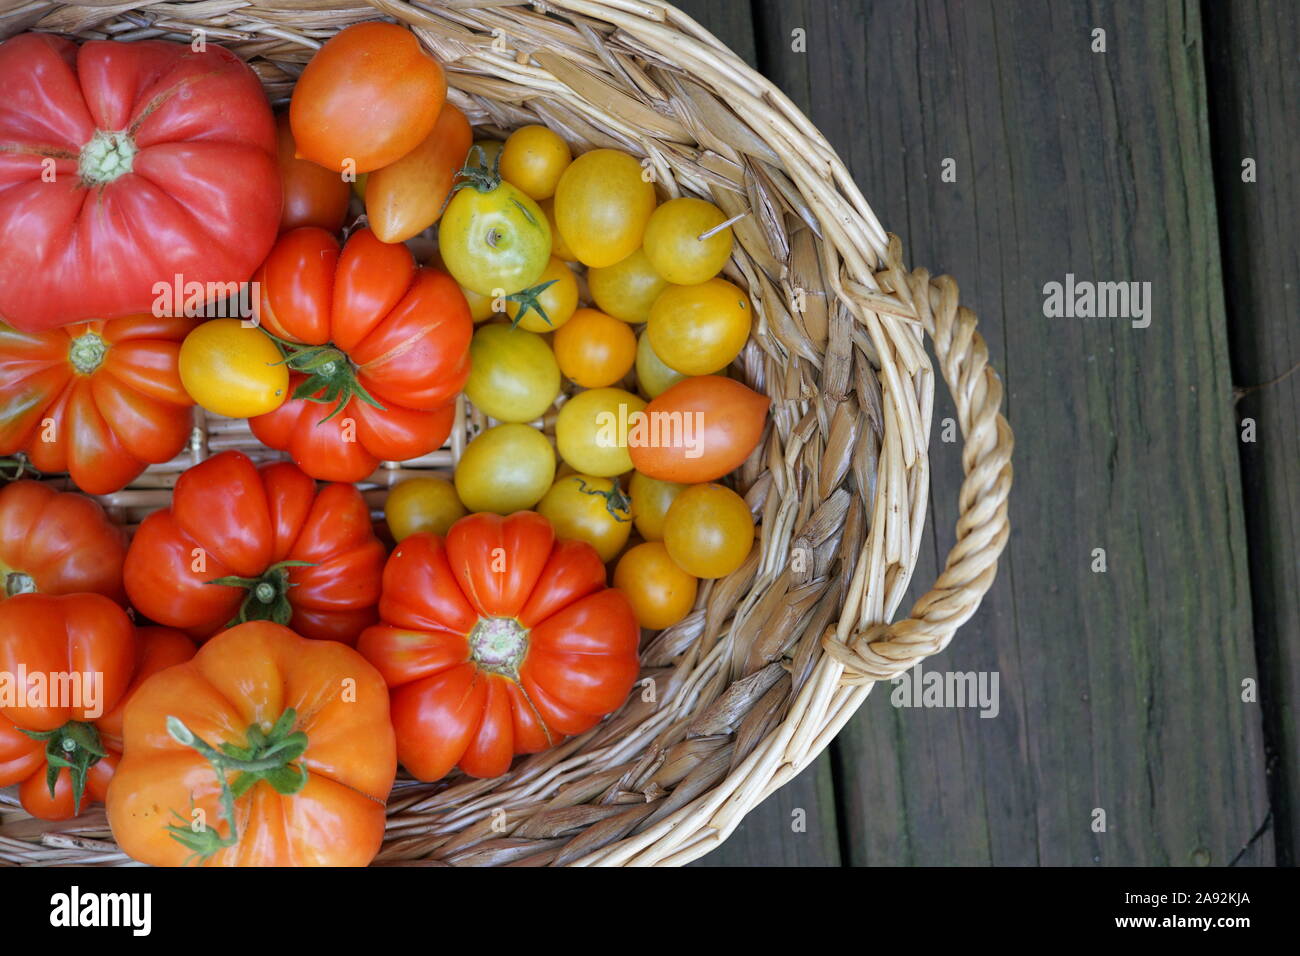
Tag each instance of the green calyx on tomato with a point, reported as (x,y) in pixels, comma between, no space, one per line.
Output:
(331,376)
(20,465)
(108,155)
(266,756)
(268,595)
(617,503)
(76,746)
(86,353)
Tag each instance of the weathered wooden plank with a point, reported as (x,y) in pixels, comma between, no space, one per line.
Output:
(796,825)
(1254,82)
(1120,690)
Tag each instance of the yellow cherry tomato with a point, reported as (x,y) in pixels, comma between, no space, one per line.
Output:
(558,247)
(652,375)
(233,369)
(594,349)
(534,158)
(422,504)
(602,205)
(698,329)
(493,237)
(628,288)
(708,530)
(592,428)
(558,299)
(513,374)
(651,499)
(673,244)
(660,592)
(506,469)
(481,307)
(590,509)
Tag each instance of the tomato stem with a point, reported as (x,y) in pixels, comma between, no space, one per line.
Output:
(86,353)
(75,745)
(479,174)
(499,645)
(616,500)
(268,596)
(331,375)
(264,756)
(20,465)
(108,155)
(530,299)
(19,582)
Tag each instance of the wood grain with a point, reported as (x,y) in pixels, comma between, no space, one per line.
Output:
(1254,83)
(1120,691)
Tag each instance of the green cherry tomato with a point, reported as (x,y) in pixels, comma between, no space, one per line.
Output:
(513,373)
(494,239)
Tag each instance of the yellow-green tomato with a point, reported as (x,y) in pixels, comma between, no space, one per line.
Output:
(673,244)
(494,240)
(590,509)
(506,469)
(513,374)
(233,369)
(628,288)
(422,504)
(698,329)
(651,499)
(708,531)
(558,300)
(602,205)
(652,375)
(591,431)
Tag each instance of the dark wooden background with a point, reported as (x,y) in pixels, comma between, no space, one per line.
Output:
(1123,690)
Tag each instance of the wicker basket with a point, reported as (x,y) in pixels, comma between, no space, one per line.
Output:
(774,659)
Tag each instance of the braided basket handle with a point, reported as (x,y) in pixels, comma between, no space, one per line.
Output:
(883,651)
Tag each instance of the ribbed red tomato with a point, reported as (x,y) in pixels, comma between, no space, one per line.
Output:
(80,659)
(57,542)
(498,640)
(241,543)
(99,400)
(380,349)
(123,165)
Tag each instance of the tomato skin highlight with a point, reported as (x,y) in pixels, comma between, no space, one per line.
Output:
(370,95)
(730,418)
(403,330)
(73,634)
(142,134)
(406,197)
(250,674)
(111,390)
(485,663)
(313,195)
(229,518)
(57,542)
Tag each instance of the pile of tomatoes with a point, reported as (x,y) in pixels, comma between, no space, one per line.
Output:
(269,653)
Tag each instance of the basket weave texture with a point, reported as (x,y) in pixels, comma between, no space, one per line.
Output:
(774,659)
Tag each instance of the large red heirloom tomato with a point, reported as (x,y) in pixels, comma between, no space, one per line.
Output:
(241,543)
(265,749)
(498,641)
(379,349)
(123,165)
(57,542)
(99,400)
(70,664)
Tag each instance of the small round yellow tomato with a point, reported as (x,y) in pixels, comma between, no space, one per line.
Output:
(590,509)
(602,205)
(422,504)
(594,349)
(627,289)
(591,430)
(534,158)
(651,499)
(558,247)
(673,244)
(652,375)
(506,469)
(513,374)
(558,299)
(698,329)
(232,369)
(660,592)
(708,531)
